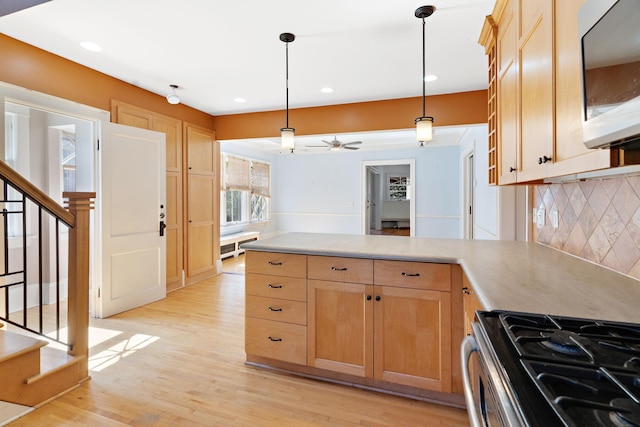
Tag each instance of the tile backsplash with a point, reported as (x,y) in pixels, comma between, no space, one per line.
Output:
(598,220)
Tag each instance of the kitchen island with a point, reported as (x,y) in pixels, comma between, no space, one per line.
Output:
(386,312)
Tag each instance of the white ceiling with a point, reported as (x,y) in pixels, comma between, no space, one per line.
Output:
(218,50)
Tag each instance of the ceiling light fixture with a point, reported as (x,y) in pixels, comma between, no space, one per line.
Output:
(93,47)
(326,90)
(287,133)
(240,100)
(424,124)
(172,98)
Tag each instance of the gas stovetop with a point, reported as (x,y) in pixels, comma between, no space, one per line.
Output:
(587,372)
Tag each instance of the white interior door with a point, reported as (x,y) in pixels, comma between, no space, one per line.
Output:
(130,212)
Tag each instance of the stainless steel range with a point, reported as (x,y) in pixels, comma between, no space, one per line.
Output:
(537,370)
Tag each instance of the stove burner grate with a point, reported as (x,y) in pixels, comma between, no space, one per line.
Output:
(625,413)
(565,342)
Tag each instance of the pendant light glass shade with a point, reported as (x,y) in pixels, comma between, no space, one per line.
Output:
(424,129)
(288,141)
(424,124)
(286,133)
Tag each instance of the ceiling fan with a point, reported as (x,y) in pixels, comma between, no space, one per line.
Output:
(336,145)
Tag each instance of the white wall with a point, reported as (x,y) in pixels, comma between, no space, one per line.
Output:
(495,208)
(322,192)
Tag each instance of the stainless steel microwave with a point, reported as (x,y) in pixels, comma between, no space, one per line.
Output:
(610,40)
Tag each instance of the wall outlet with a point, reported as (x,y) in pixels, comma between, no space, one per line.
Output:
(540,217)
(554,219)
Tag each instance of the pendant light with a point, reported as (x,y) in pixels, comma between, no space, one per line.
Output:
(424,124)
(287,133)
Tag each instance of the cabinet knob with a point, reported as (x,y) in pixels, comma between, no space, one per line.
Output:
(465,290)
(543,159)
(512,169)
(368,297)
(377,297)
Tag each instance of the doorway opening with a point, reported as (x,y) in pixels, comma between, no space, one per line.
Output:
(388,197)
(468,195)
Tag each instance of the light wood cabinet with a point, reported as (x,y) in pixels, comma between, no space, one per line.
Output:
(470,304)
(276,306)
(412,324)
(538,99)
(389,322)
(202,190)
(394,326)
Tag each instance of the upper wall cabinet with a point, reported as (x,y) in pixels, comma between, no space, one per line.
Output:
(535,93)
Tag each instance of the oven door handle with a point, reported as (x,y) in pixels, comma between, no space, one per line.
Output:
(469,346)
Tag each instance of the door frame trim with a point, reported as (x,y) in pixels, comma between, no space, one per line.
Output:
(412,190)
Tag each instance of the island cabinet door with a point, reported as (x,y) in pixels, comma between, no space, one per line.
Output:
(340,327)
(413,337)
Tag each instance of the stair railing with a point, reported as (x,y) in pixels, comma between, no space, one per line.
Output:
(22,200)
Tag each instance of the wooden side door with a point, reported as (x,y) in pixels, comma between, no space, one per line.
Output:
(340,327)
(203,202)
(413,337)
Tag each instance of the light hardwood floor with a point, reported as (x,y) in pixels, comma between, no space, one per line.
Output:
(180,362)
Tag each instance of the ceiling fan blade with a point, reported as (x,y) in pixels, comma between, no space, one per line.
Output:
(327,142)
(316,146)
(352,143)
(350,148)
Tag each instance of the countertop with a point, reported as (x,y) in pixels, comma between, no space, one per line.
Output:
(505,275)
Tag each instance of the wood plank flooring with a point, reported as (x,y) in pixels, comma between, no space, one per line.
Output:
(180,362)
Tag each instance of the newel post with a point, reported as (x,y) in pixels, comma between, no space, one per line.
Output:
(79,204)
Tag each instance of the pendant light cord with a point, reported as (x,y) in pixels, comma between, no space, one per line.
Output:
(287,79)
(424,67)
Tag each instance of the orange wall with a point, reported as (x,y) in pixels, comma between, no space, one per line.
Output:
(32,68)
(453,109)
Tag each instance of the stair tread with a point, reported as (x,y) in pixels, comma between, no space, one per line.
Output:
(52,358)
(12,344)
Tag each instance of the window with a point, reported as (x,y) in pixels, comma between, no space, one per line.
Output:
(68,146)
(398,188)
(246,190)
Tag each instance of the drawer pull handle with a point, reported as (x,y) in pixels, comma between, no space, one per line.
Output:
(275,286)
(410,274)
(465,291)
(275,339)
(274,263)
(339,268)
(274,309)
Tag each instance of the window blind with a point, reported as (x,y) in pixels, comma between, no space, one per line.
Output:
(237,176)
(260,178)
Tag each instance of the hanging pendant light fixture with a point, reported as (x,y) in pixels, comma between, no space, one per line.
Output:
(424,124)
(287,133)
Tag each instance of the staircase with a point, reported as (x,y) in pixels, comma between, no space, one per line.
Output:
(33,371)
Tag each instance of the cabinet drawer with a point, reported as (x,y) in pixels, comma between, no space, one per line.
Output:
(417,275)
(275,263)
(276,340)
(264,285)
(337,269)
(280,310)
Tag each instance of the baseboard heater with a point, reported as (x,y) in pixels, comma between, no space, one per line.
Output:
(230,244)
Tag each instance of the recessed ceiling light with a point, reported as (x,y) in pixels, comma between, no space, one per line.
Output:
(240,100)
(326,90)
(93,47)
(430,78)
